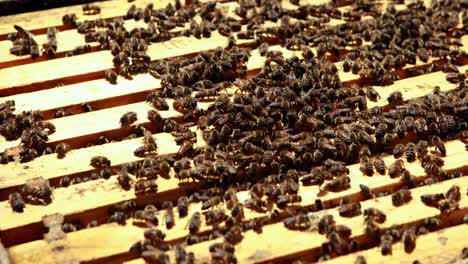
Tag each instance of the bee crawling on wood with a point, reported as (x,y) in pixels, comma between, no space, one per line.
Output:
(128,118)
(91,9)
(62,149)
(100,162)
(16,202)
(37,189)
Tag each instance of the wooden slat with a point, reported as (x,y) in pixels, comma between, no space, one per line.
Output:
(443,246)
(30,77)
(85,201)
(268,242)
(267,247)
(39,21)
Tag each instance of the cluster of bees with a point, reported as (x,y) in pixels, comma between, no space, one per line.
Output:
(292,123)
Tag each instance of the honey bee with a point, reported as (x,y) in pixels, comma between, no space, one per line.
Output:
(350,209)
(61,149)
(16,202)
(453,193)
(338,184)
(215,216)
(186,148)
(65,181)
(360,260)
(372,229)
(297,222)
(124,179)
(283,200)
(110,76)
(128,118)
(183,206)
(386,241)
(379,165)
(447,205)
(410,150)
(211,202)
(432,199)
(432,223)
(157,102)
(440,145)
(366,166)
(377,215)
(409,240)
(396,168)
(395,98)
(154,234)
(169,216)
(118,217)
(366,191)
(100,162)
(194,223)
(325,223)
(146,215)
(37,188)
(401,197)
(142,186)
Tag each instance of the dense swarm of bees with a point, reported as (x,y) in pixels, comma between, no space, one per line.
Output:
(292,123)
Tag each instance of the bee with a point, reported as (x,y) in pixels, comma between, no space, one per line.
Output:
(183,206)
(146,215)
(366,191)
(186,149)
(64,182)
(124,179)
(395,98)
(360,260)
(325,223)
(182,137)
(453,193)
(372,94)
(366,166)
(338,184)
(215,216)
(62,113)
(157,102)
(100,162)
(379,165)
(16,202)
(447,205)
(238,211)
(432,199)
(169,216)
(154,234)
(377,215)
(336,242)
(401,197)
(372,229)
(396,168)
(440,145)
(350,209)
(409,240)
(211,202)
(128,118)
(386,241)
(61,149)
(91,9)
(194,223)
(408,179)
(118,217)
(432,223)
(297,222)
(110,76)
(283,200)
(142,186)
(37,188)
(410,150)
